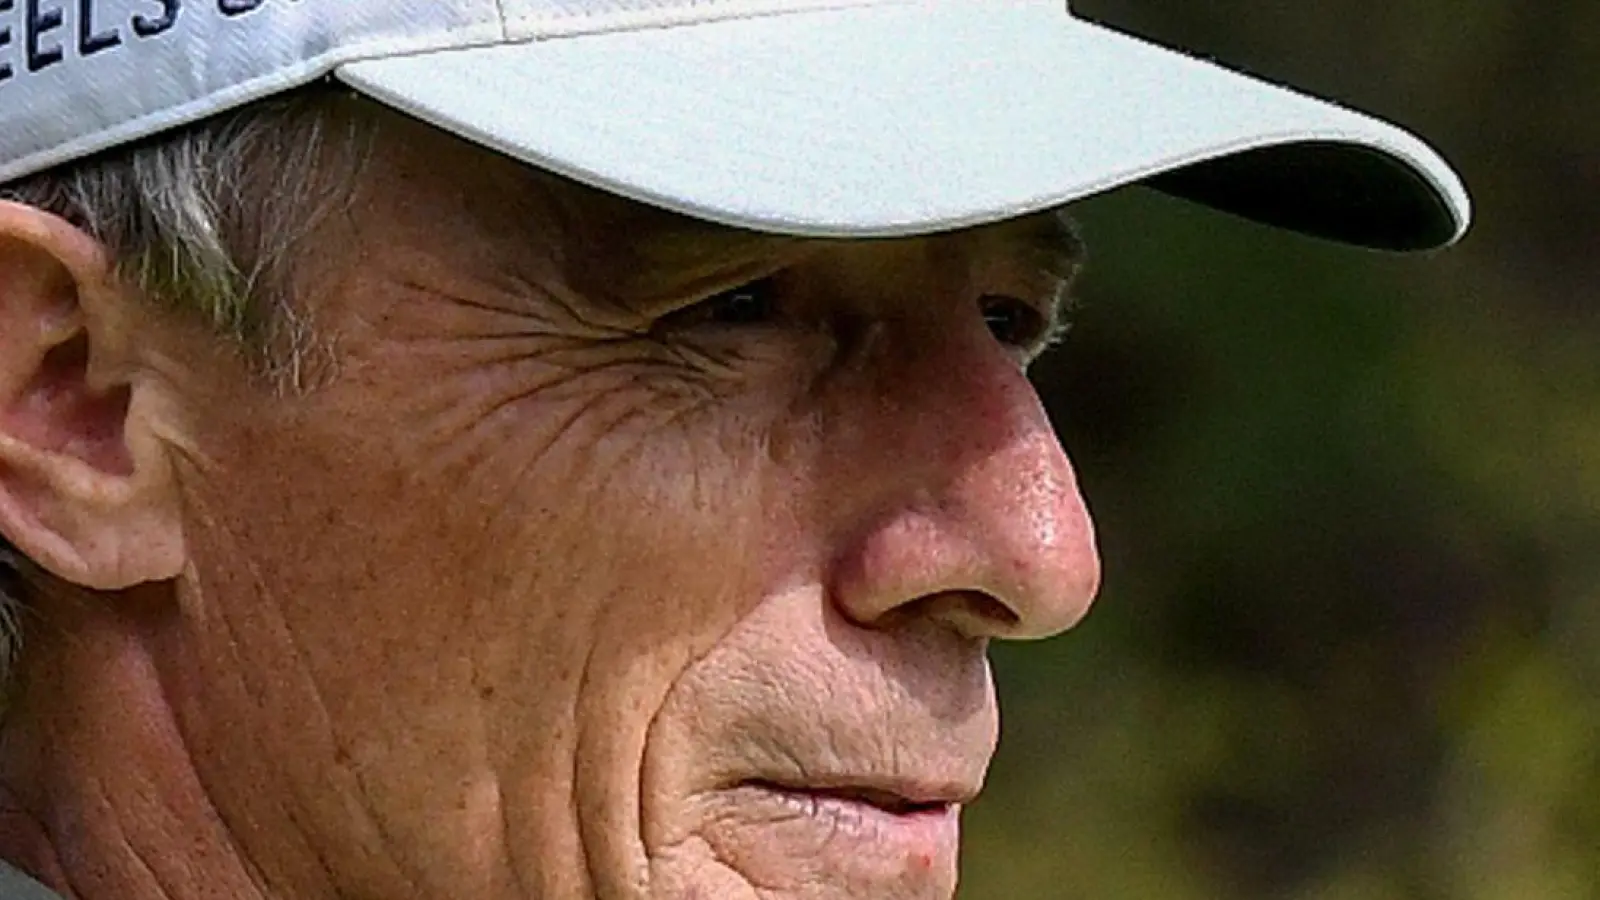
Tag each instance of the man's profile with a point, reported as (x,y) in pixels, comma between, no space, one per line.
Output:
(561,448)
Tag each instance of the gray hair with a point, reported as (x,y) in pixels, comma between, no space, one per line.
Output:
(204,221)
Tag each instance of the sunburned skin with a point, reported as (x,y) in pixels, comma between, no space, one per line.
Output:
(615,555)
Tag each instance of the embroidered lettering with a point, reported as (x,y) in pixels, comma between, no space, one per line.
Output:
(36,23)
(36,35)
(146,27)
(91,42)
(5,40)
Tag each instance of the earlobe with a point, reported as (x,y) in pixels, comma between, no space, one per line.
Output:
(80,494)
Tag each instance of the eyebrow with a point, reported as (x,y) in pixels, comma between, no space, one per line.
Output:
(1054,240)
(692,249)
(678,254)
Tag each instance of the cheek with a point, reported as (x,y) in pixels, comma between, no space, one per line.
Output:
(413,546)
(639,560)
(445,596)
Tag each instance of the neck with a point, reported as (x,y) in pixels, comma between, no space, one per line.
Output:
(101,800)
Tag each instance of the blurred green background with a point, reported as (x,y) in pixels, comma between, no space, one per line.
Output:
(1348,646)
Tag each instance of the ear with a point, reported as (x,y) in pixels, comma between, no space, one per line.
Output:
(85,490)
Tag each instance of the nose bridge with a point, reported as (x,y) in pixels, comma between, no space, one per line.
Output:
(973,493)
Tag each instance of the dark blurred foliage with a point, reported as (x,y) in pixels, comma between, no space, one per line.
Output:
(1348,646)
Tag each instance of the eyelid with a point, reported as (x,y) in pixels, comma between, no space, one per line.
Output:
(677,294)
(1057,313)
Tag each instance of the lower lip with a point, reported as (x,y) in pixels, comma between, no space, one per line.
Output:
(800,843)
(925,838)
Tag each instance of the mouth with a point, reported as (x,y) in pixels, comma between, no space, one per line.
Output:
(891,798)
(859,831)
(843,837)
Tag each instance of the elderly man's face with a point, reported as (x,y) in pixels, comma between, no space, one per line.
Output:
(618,554)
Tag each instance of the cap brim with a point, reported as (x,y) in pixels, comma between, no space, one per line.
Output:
(912,118)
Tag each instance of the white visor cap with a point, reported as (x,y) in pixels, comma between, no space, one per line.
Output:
(828,118)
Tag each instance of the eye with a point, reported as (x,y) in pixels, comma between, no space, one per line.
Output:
(754,303)
(1014,322)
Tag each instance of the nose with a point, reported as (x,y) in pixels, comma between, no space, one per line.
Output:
(959,502)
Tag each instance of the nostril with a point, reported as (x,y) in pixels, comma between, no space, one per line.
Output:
(970,612)
(987,607)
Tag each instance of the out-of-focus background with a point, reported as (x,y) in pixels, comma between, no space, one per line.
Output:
(1348,646)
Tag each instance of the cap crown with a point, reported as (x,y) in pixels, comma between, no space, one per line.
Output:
(78,76)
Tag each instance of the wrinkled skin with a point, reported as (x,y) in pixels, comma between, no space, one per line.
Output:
(574,559)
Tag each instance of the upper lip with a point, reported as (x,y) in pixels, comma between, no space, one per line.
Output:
(893,793)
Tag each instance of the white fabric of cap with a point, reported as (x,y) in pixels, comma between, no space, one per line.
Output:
(820,117)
